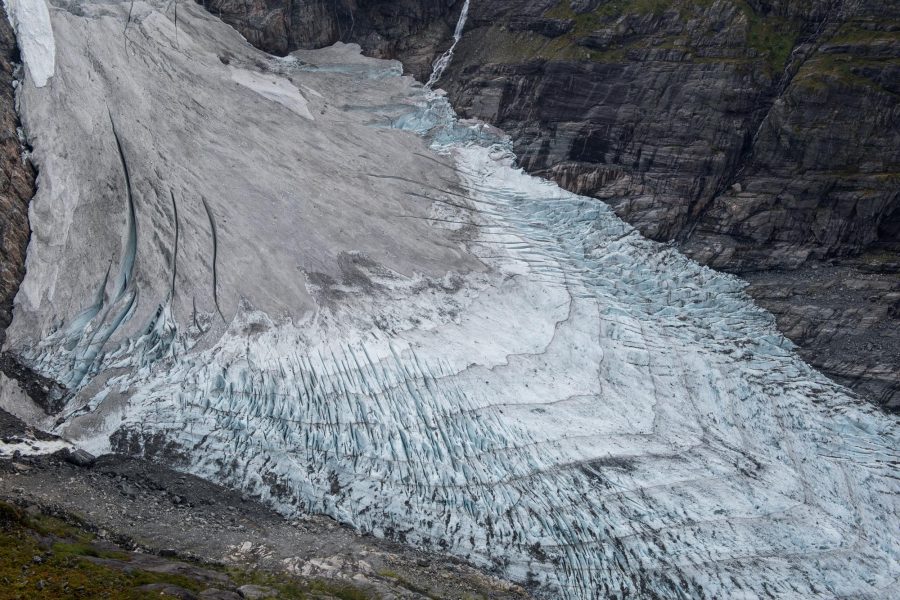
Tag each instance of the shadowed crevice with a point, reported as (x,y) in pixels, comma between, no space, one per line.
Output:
(175,252)
(215,254)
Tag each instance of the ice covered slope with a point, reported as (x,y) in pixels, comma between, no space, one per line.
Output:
(323,290)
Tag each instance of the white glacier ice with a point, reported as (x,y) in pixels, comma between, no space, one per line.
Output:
(274,88)
(12,447)
(375,315)
(31,21)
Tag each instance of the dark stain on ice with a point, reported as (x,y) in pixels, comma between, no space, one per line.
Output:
(215,256)
(593,468)
(357,273)
(334,485)
(152,446)
(50,395)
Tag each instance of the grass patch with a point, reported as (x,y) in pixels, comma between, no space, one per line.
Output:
(611,10)
(76,548)
(867,32)
(388,574)
(824,70)
(46,557)
(29,570)
(504,46)
(771,37)
(48,525)
(294,589)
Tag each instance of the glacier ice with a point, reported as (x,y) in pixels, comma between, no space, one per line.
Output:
(31,21)
(373,314)
(274,88)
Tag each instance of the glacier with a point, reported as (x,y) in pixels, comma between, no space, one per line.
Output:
(31,22)
(306,279)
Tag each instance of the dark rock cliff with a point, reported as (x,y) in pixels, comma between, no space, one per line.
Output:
(16,181)
(410,30)
(762,135)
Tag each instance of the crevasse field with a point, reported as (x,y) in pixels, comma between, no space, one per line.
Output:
(304,278)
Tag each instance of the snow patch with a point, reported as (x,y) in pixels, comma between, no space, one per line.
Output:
(31,21)
(30,447)
(274,88)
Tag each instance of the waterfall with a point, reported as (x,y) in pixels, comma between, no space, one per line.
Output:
(441,64)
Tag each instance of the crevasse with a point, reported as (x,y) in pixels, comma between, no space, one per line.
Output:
(568,404)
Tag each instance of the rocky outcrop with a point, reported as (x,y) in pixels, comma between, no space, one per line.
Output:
(844,317)
(761,134)
(16,181)
(413,31)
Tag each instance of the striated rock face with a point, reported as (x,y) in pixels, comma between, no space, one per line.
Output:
(410,30)
(761,135)
(16,181)
(843,316)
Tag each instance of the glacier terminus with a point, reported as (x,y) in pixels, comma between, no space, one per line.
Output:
(305,278)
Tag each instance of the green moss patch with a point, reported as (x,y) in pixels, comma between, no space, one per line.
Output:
(42,556)
(771,37)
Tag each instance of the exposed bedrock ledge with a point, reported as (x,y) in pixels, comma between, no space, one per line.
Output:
(16,181)
(843,316)
(413,31)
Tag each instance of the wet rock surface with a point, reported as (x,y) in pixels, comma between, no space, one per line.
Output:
(12,428)
(49,395)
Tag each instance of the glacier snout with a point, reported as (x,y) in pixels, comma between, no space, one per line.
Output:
(304,278)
